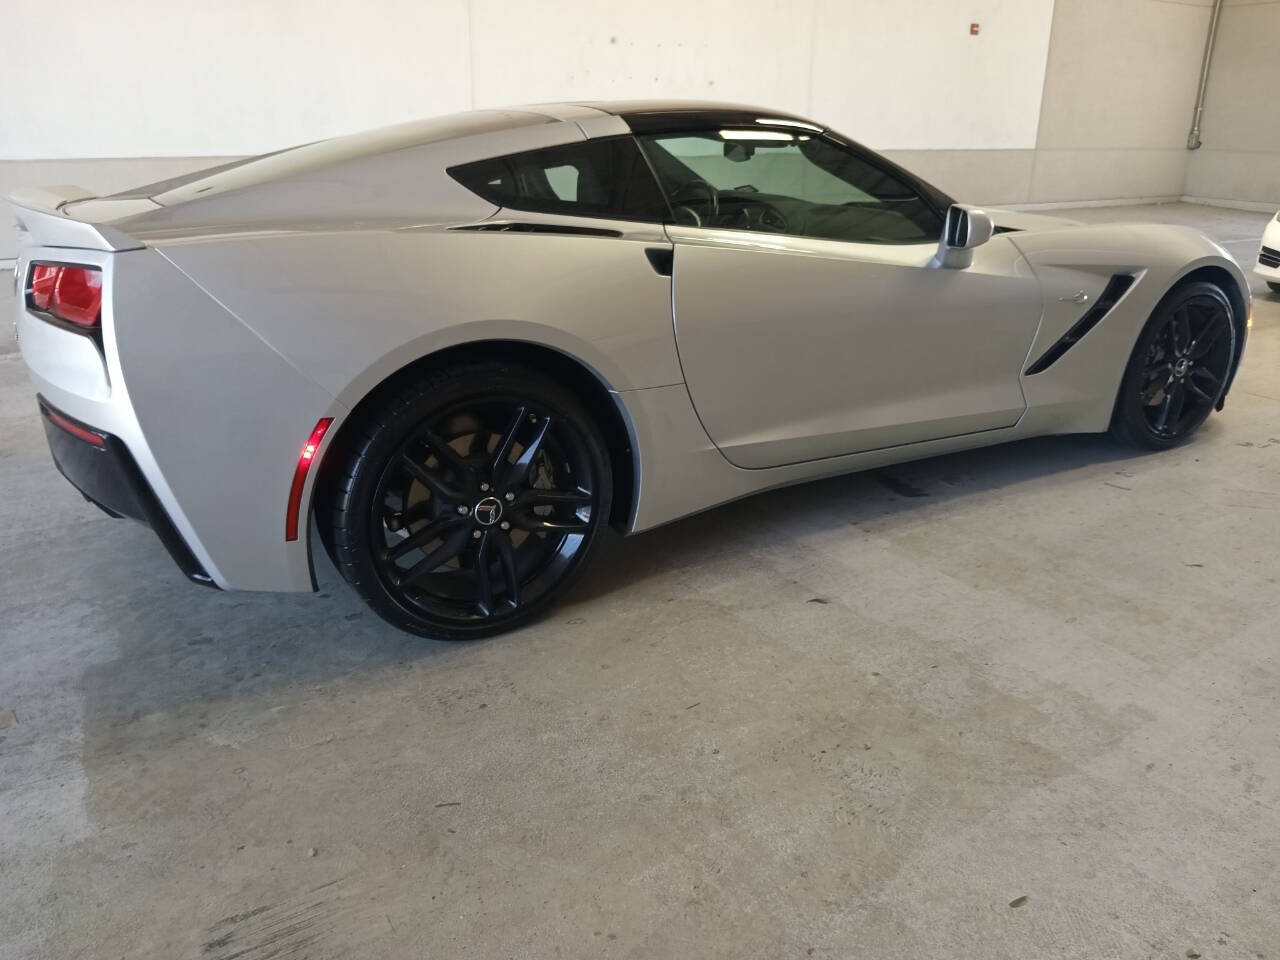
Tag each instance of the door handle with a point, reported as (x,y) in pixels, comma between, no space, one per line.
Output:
(662,259)
(1078,297)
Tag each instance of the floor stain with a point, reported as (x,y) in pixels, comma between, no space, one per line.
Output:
(293,928)
(899,485)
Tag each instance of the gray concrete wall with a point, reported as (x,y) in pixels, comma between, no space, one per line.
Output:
(1119,88)
(1240,159)
(996,177)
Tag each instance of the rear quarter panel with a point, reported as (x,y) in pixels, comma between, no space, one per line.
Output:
(224,417)
(349,309)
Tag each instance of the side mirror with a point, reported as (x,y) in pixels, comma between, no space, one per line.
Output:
(965,228)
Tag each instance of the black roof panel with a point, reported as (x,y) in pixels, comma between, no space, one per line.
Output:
(651,116)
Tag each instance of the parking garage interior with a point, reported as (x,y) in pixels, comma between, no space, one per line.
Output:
(1013,702)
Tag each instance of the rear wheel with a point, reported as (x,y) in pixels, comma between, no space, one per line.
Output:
(468,504)
(1179,368)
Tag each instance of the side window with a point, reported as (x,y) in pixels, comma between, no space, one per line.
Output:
(787,182)
(593,178)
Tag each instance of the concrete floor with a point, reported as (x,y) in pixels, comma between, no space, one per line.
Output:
(859,718)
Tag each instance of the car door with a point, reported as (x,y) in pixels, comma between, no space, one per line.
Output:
(810,319)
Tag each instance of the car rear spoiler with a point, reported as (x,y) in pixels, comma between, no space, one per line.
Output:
(38,211)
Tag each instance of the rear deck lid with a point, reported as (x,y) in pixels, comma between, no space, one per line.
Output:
(43,220)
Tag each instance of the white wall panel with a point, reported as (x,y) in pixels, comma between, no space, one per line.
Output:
(152,78)
(751,52)
(134,78)
(908,75)
(1004,116)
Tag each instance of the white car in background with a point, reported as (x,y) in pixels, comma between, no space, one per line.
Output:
(1268,267)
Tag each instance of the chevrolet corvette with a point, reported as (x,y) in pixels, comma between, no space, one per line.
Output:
(451,351)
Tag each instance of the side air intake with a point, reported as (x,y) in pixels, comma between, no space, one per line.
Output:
(1114,290)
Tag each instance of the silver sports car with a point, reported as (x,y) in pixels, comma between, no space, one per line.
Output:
(454,349)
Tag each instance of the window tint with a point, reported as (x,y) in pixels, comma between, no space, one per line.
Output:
(594,178)
(787,182)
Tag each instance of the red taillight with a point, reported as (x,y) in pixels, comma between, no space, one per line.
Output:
(77,296)
(305,460)
(70,293)
(43,277)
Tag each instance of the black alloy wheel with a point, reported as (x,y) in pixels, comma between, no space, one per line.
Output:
(1179,369)
(471,502)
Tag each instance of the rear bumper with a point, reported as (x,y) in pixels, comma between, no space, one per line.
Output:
(99,465)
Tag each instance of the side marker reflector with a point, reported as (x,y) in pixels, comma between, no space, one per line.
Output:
(73,428)
(305,460)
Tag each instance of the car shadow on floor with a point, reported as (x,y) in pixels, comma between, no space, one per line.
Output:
(180,645)
(870,497)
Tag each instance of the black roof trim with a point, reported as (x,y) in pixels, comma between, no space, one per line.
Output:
(652,116)
(673,122)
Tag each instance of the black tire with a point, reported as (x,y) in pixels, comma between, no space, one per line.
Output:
(1179,368)
(1275,287)
(491,469)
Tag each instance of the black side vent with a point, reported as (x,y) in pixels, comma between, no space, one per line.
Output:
(1006,230)
(561,228)
(1269,257)
(1114,290)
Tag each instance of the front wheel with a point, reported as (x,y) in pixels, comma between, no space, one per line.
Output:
(468,503)
(1179,368)
(1275,287)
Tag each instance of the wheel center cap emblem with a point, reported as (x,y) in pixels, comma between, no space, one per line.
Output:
(1181,367)
(488,511)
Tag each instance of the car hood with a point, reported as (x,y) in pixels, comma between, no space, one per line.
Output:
(1019,220)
